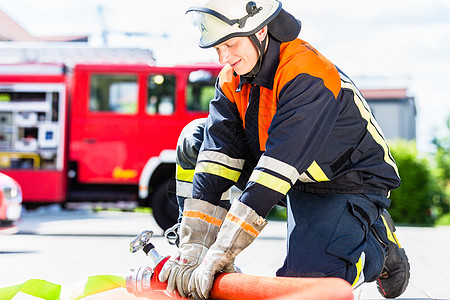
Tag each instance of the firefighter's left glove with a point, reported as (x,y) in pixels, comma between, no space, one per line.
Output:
(240,228)
(198,231)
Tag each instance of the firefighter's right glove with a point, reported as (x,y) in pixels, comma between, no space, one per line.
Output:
(239,230)
(198,230)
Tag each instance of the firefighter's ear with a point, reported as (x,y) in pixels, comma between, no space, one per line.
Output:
(262,33)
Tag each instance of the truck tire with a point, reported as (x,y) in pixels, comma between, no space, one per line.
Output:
(165,205)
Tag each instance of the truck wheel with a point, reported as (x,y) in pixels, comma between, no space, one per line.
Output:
(165,205)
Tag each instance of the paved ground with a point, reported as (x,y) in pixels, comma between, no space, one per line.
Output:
(67,247)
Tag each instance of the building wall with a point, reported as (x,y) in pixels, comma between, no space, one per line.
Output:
(396,117)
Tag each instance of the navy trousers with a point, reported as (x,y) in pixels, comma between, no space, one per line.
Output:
(326,233)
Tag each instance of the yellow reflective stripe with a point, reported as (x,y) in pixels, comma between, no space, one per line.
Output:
(390,235)
(244,225)
(372,125)
(202,216)
(184,174)
(219,170)
(221,158)
(277,184)
(46,290)
(102,283)
(358,271)
(317,173)
(34,287)
(279,167)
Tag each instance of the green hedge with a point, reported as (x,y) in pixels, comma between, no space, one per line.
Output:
(420,198)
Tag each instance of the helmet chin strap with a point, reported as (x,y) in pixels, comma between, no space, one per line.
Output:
(260,47)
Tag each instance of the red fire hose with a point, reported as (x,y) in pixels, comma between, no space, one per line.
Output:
(234,286)
(237,286)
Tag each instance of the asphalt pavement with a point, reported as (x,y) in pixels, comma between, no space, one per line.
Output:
(65,247)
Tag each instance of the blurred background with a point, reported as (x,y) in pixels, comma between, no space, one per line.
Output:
(382,43)
(87,150)
(398,51)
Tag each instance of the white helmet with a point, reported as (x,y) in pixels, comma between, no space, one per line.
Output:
(220,20)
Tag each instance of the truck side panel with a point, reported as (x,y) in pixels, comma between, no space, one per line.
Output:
(122,115)
(33,129)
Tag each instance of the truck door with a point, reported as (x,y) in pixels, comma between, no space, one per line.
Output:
(104,130)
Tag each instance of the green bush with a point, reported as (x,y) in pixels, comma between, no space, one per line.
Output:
(417,199)
(278,213)
(442,171)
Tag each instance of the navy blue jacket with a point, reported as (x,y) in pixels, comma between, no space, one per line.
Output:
(300,123)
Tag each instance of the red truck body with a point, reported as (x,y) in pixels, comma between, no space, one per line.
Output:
(98,132)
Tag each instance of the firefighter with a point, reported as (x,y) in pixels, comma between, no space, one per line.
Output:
(285,126)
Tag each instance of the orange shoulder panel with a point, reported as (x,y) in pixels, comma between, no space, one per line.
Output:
(299,57)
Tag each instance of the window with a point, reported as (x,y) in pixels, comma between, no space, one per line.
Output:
(200,91)
(161,94)
(114,93)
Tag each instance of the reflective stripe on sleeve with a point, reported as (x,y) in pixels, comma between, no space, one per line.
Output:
(227,195)
(272,182)
(219,170)
(244,225)
(202,216)
(221,158)
(305,178)
(279,167)
(317,173)
(184,189)
(184,174)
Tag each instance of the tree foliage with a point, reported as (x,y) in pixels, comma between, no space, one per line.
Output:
(420,197)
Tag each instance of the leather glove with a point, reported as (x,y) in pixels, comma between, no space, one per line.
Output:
(240,228)
(198,230)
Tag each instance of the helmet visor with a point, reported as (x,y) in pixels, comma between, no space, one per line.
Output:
(212,27)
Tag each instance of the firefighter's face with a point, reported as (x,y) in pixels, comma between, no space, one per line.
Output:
(240,52)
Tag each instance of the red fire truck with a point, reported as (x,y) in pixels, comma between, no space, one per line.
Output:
(99,132)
